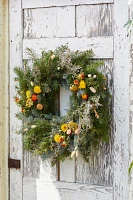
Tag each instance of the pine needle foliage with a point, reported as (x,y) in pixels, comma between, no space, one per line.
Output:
(87,120)
(130,167)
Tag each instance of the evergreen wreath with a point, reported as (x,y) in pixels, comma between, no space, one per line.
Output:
(86,123)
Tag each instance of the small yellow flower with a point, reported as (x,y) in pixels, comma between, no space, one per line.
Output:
(37,89)
(82,85)
(28,94)
(64,127)
(73,88)
(72,125)
(29,103)
(57,138)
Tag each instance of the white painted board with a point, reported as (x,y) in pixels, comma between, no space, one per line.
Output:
(64,191)
(121,100)
(16,147)
(35,166)
(94,20)
(49,22)
(102,46)
(51,3)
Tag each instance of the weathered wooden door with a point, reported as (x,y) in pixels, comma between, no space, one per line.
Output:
(86,24)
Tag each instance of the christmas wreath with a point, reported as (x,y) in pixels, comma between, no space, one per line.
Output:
(86,122)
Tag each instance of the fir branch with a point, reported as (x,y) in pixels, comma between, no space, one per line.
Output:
(31,53)
(130,167)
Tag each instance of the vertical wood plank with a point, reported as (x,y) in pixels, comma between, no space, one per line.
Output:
(67,171)
(15,21)
(94,20)
(121,100)
(39,23)
(49,22)
(66,21)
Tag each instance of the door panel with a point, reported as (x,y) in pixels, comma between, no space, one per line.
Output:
(47,27)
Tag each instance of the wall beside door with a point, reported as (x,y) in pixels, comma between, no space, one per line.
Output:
(4,100)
